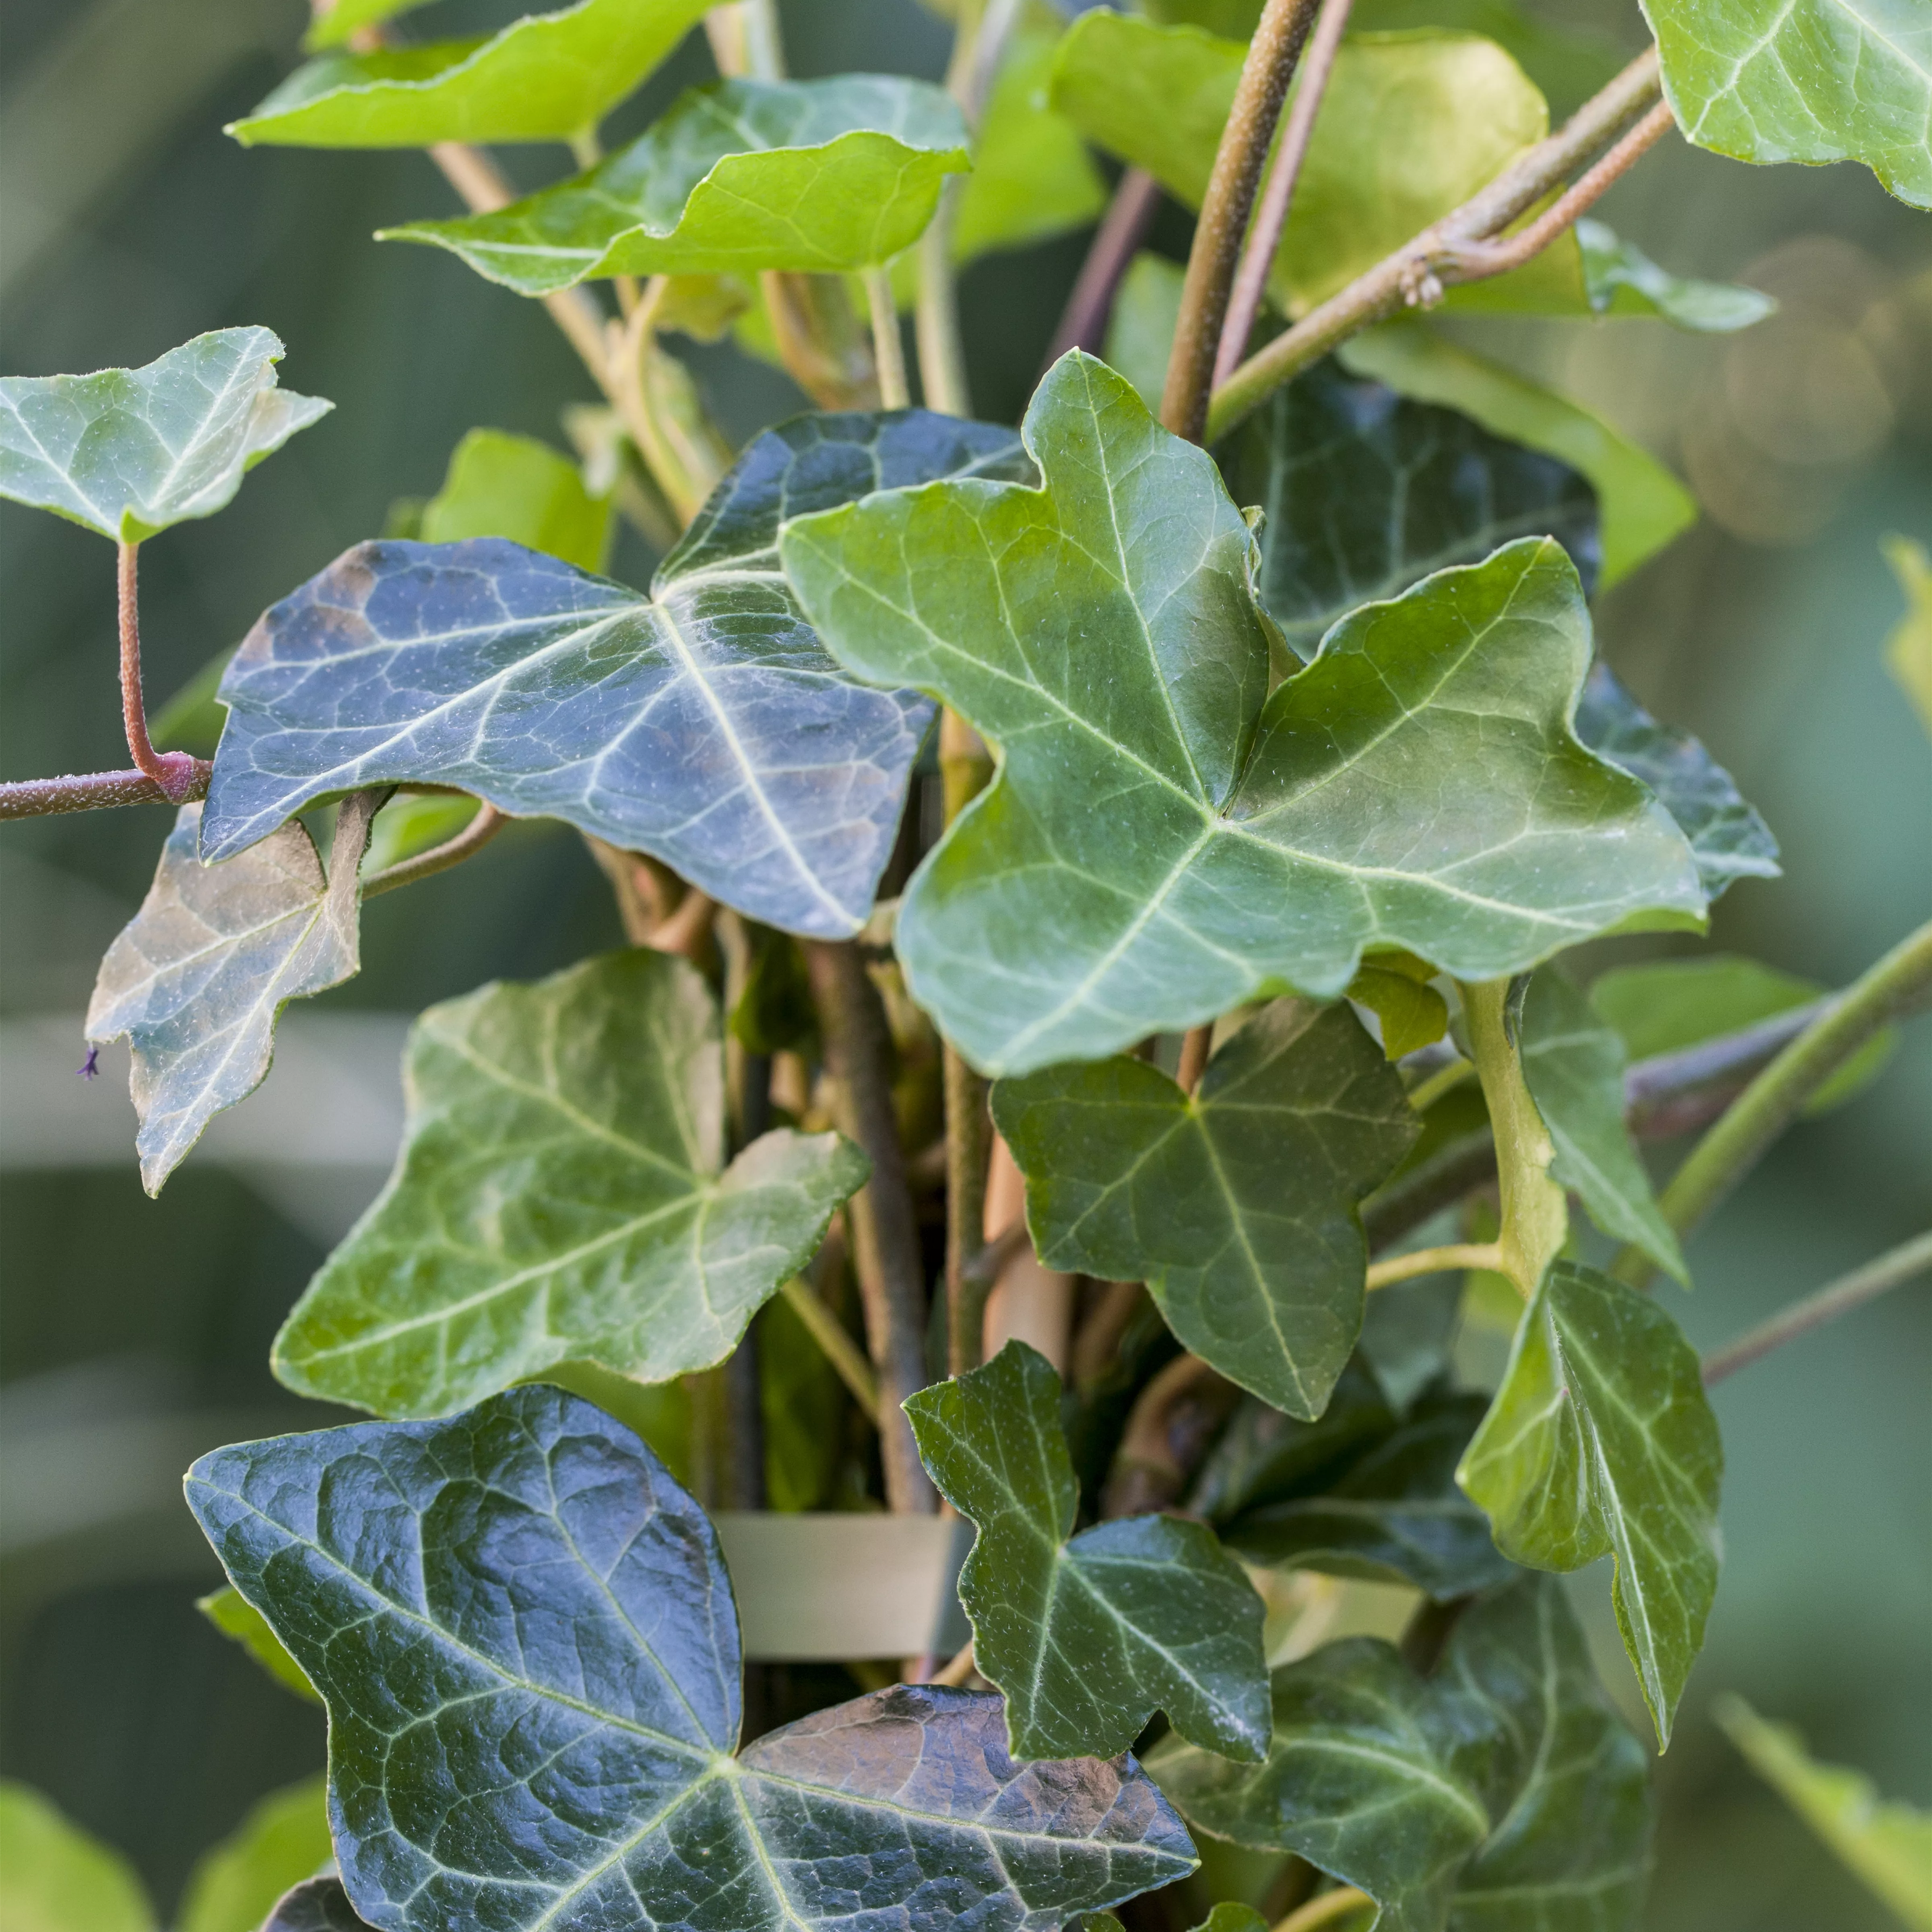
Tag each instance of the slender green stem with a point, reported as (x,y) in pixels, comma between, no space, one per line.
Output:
(1899,984)
(467,844)
(888,345)
(1425,1093)
(1535,1213)
(1238,165)
(1452,1255)
(1413,275)
(1332,1910)
(969,1150)
(1892,1269)
(830,1333)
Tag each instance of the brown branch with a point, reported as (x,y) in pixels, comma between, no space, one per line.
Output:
(886,1255)
(1238,164)
(1195,1045)
(91,791)
(1173,1423)
(1404,278)
(1244,304)
(1083,322)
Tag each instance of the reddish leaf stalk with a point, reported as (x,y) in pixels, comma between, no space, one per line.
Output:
(173,771)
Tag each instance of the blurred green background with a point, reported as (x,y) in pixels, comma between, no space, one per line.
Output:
(134,1334)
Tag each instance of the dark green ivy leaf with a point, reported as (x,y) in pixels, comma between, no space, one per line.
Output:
(1573,1063)
(1166,838)
(1728,839)
(1366,493)
(316,1905)
(704,725)
(1501,1794)
(525,1635)
(741,176)
(1087,1637)
(1264,1456)
(562,1194)
(1237,1205)
(1600,1441)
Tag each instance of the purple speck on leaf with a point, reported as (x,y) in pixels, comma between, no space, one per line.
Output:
(89,1069)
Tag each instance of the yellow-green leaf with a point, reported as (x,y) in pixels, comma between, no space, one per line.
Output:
(55,1878)
(501,485)
(1908,651)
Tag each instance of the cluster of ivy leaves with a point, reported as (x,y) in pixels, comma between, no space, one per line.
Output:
(1358,746)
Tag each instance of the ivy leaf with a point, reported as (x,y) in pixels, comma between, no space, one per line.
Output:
(1166,839)
(542,1210)
(1086,1637)
(282,1841)
(819,175)
(500,485)
(336,23)
(129,452)
(1238,1205)
(1502,1792)
(525,1636)
(1665,1005)
(1621,280)
(704,725)
(1394,986)
(55,1878)
(1804,80)
(317,1905)
(545,77)
(1265,1456)
(1601,1442)
(198,978)
(1395,1516)
(1908,651)
(1573,1063)
(1367,493)
(1643,506)
(234,1617)
(1729,839)
(1888,1845)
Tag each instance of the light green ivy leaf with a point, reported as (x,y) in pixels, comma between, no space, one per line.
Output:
(545,77)
(54,1877)
(1804,80)
(1643,505)
(337,21)
(501,485)
(1238,1205)
(1166,838)
(1908,651)
(1621,280)
(282,1841)
(199,977)
(129,452)
(234,1617)
(741,176)
(562,1194)
(1087,1637)
(1140,329)
(1888,1844)
(1600,1441)
(1573,1063)
(1500,1794)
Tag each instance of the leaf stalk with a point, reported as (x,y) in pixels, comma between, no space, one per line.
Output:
(174,772)
(1452,1255)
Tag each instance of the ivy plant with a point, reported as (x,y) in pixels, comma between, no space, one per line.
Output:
(1109,884)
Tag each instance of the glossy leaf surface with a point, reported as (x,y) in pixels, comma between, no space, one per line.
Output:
(1237,1204)
(1573,1063)
(1087,1637)
(1643,506)
(1804,80)
(197,979)
(55,1878)
(525,1636)
(234,1617)
(545,77)
(818,175)
(282,1841)
(500,485)
(1599,1442)
(1729,839)
(1366,493)
(128,452)
(316,1905)
(562,1194)
(1501,1793)
(704,725)
(1164,838)
(1908,651)
(1888,1845)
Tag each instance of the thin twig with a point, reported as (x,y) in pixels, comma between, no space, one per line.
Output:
(835,1340)
(956,1673)
(1346,1902)
(1174,1421)
(1675,1093)
(1083,322)
(969,1152)
(989,1262)
(172,772)
(1893,1269)
(1244,303)
(888,345)
(1451,1256)
(90,791)
(886,1254)
(1425,1093)
(1402,279)
(1196,1045)
(1238,163)
(467,844)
